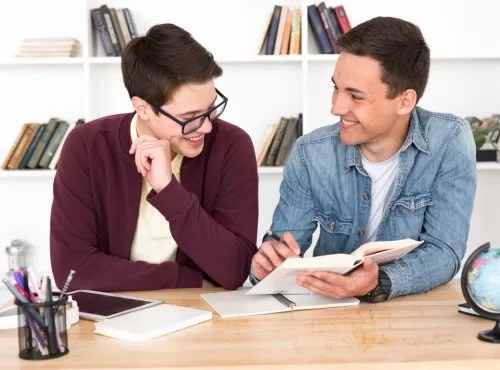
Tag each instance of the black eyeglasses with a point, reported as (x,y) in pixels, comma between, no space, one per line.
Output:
(195,123)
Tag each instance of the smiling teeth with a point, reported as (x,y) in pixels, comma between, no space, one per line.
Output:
(195,138)
(348,123)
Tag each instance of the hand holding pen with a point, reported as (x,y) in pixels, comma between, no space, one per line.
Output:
(272,253)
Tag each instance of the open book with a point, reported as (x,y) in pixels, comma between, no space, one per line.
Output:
(237,303)
(282,279)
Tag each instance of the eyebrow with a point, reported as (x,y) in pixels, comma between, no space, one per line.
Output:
(196,111)
(352,89)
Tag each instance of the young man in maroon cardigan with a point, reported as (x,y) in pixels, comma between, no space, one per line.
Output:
(166,196)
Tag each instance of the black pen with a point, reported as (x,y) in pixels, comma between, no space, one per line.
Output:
(278,238)
(284,300)
(274,236)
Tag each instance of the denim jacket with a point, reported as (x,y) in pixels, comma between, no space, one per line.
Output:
(324,183)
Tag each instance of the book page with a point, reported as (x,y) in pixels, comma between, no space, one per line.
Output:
(386,251)
(282,279)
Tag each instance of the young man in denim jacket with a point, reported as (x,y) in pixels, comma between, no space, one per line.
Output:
(388,170)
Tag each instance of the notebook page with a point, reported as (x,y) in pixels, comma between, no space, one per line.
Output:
(315,301)
(237,303)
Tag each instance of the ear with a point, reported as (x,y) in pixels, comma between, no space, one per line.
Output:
(407,101)
(142,108)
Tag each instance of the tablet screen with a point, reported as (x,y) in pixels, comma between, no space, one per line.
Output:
(105,305)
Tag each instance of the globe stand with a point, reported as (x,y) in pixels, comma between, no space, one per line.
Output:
(491,336)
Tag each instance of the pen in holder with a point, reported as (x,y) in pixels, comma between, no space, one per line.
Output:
(42,331)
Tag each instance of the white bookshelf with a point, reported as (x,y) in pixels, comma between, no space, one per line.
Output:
(481,166)
(465,66)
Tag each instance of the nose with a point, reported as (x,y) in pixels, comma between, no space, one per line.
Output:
(340,104)
(206,127)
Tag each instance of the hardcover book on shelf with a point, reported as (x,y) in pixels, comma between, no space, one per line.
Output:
(282,279)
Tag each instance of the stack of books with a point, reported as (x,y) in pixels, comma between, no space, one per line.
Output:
(278,141)
(38,145)
(327,25)
(115,27)
(283,32)
(49,48)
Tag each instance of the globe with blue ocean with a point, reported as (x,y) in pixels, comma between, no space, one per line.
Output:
(481,287)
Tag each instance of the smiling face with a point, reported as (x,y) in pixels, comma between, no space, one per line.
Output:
(188,101)
(367,116)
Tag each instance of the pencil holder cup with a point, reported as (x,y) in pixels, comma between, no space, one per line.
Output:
(42,330)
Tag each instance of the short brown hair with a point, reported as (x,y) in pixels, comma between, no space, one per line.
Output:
(154,66)
(400,48)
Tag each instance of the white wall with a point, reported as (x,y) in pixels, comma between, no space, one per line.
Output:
(464,80)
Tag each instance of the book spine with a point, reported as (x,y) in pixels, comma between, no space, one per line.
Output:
(53,144)
(318,30)
(130,23)
(14,146)
(273,30)
(101,29)
(112,33)
(31,148)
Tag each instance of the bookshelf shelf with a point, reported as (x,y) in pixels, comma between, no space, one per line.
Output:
(481,166)
(228,60)
(26,173)
(252,59)
(51,173)
(41,61)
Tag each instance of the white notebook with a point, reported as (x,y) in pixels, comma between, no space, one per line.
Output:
(237,303)
(151,322)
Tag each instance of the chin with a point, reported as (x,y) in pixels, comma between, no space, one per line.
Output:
(189,152)
(350,139)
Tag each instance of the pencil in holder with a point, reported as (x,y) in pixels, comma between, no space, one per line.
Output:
(42,330)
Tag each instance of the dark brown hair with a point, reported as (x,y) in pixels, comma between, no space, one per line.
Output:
(400,48)
(154,66)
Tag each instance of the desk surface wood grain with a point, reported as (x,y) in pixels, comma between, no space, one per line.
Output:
(413,332)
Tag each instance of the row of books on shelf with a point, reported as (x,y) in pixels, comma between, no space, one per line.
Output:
(38,145)
(115,27)
(49,47)
(283,32)
(278,140)
(327,24)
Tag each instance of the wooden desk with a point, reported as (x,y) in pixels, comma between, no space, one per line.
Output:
(415,332)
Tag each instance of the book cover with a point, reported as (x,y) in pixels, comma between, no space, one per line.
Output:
(151,322)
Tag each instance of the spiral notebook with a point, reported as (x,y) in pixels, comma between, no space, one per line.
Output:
(151,322)
(237,303)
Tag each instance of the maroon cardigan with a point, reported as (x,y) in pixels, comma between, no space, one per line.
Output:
(213,212)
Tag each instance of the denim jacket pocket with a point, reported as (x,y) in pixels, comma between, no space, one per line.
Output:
(414,203)
(332,223)
(334,233)
(407,215)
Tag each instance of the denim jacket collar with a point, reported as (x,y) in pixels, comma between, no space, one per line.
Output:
(415,136)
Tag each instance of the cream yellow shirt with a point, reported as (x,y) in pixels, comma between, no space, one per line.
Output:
(152,241)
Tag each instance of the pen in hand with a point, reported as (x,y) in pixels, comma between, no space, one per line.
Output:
(280,239)
(273,235)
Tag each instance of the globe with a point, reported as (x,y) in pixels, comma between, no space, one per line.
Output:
(481,287)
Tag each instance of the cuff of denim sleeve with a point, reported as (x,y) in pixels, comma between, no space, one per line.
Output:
(397,278)
(253,280)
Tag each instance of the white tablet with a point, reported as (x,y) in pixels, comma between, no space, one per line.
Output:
(97,306)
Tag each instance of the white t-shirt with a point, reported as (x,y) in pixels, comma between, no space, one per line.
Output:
(152,241)
(383,175)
